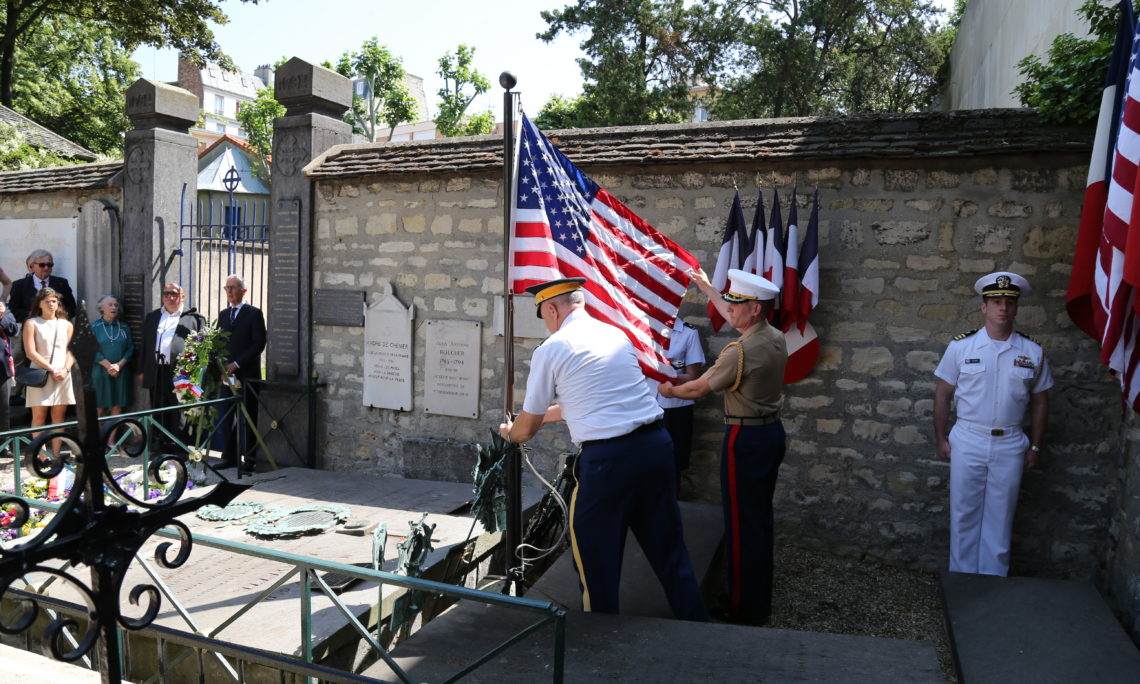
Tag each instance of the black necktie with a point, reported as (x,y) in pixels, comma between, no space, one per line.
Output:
(233,314)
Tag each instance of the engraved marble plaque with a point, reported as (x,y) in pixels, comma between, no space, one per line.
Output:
(388,353)
(285,292)
(338,307)
(452,359)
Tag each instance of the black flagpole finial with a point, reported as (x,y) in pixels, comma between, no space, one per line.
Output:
(507,80)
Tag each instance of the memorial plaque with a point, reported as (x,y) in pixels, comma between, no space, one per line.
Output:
(388,353)
(339,307)
(285,301)
(452,362)
(133,304)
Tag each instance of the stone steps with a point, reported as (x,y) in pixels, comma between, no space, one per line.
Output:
(1026,629)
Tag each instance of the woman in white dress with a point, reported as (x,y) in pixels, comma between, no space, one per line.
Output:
(46,335)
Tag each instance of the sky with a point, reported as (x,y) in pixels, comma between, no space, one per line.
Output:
(501,31)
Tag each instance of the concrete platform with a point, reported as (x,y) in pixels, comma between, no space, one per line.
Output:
(641,593)
(23,667)
(619,648)
(1026,629)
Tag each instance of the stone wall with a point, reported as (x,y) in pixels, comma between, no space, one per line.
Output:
(905,230)
(1123,558)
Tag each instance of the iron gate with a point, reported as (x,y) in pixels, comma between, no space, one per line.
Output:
(223,237)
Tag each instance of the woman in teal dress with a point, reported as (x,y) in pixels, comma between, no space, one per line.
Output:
(110,376)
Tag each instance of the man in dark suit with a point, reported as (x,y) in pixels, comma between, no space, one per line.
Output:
(246,326)
(8,330)
(164,337)
(40,265)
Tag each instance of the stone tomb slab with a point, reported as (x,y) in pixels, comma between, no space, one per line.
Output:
(1028,629)
(214,584)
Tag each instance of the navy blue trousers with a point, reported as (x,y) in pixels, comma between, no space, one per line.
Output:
(679,423)
(750,461)
(629,483)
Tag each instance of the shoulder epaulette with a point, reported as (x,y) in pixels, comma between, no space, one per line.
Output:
(964,335)
(688,325)
(1031,339)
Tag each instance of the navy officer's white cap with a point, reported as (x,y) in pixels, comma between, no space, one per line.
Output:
(743,287)
(1001,284)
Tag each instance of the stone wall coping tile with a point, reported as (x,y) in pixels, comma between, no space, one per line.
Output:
(969,133)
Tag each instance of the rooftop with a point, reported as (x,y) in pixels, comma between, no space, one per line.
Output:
(44,138)
(933,134)
(77,177)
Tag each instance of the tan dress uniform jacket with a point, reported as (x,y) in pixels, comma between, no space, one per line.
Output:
(761,390)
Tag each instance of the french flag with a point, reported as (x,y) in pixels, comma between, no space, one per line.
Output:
(731,255)
(754,260)
(803,343)
(774,248)
(791,290)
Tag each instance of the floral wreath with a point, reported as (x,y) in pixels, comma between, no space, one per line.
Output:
(199,375)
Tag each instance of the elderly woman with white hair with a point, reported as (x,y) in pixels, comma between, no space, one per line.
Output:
(110,376)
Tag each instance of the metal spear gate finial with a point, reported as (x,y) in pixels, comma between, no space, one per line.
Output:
(91,529)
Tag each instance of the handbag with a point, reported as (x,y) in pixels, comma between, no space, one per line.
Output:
(30,376)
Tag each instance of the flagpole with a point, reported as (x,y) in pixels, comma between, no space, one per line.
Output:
(512,536)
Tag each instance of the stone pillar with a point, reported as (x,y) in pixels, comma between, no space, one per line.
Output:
(315,99)
(161,159)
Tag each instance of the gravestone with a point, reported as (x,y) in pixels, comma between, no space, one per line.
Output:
(452,359)
(388,353)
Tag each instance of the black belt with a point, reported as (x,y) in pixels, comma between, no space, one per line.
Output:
(655,425)
(751,421)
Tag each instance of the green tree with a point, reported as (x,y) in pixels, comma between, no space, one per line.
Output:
(256,119)
(1066,87)
(818,57)
(17,154)
(457,73)
(385,96)
(561,112)
(642,56)
(180,24)
(72,78)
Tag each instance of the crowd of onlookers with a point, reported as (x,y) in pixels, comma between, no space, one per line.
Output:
(36,331)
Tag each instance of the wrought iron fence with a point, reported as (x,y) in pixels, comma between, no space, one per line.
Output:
(202,644)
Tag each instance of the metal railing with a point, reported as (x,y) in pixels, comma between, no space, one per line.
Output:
(15,441)
(201,643)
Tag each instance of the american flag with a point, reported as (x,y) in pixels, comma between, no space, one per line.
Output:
(564,225)
(1106,267)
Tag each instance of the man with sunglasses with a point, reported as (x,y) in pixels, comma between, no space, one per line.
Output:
(40,265)
(164,337)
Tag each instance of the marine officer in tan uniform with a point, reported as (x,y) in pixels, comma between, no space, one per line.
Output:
(750,370)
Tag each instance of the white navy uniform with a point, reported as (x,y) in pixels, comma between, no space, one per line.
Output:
(994,381)
(684,351)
